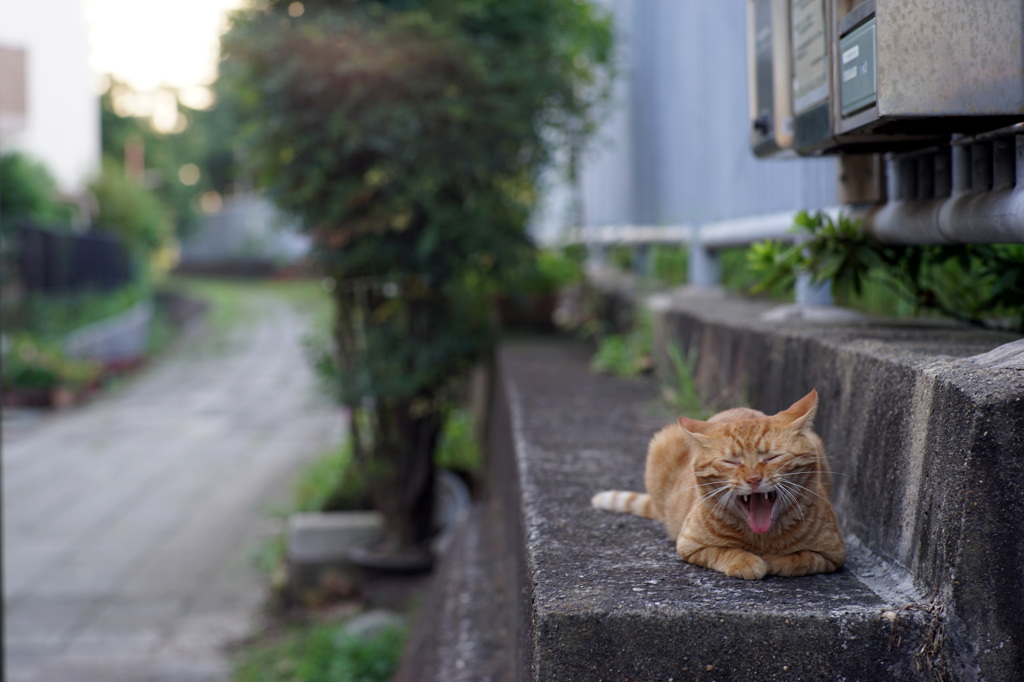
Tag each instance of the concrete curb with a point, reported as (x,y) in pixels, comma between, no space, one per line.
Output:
(122,337)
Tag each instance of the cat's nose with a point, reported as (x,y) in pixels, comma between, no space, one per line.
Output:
(752,481)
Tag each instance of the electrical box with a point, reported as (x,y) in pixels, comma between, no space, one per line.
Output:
(810,43)
(865,76)
(925,68)
(769,77)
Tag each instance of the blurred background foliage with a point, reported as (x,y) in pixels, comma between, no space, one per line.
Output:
(29,192)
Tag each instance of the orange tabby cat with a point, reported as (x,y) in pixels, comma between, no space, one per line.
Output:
(742,493)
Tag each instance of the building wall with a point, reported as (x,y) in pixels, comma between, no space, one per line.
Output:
(675,148)
(62,123)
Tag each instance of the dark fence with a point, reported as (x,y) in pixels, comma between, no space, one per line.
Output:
(52,262)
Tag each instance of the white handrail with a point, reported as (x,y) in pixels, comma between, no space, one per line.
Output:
(704,241)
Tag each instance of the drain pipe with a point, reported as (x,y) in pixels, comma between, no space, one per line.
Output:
(971,192)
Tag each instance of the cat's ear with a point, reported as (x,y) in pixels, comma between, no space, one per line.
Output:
(694,430)
(800,415)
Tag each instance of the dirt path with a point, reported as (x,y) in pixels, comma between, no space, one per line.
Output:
(130,522)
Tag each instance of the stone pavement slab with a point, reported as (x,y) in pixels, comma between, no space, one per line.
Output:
(131,521)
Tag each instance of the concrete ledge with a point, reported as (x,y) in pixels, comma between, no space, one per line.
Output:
(321,538)
(122,337)
(317,547)
(612,600)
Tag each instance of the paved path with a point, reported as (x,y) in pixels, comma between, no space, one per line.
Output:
(130,523)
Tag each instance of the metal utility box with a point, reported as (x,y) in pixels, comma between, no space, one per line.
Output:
(810,44)
(769,77)
(920,68)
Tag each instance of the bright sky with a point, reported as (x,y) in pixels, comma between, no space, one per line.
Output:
(153,43)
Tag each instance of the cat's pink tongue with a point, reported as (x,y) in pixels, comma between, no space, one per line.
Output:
(759,513)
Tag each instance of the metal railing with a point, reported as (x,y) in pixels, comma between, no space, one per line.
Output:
(970,191)
(703,244)
(56,262)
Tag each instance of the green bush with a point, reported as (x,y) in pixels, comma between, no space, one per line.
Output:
(740,274)
(31,364)
(458,449)
(54,317)
(670,264)
(331,483)
(626,355)
(29,192)
(979,284)
(130,211)
(321,653)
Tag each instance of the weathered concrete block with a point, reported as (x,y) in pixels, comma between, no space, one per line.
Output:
(610,599)
(326,537)
(317,546)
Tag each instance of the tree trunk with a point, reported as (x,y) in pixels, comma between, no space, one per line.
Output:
(394,444)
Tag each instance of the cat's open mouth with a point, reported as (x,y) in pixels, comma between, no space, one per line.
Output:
(759,509)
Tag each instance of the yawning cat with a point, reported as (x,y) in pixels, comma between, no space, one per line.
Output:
(742,493)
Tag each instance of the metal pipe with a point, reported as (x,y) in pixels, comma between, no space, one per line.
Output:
(985,205)
(744,231)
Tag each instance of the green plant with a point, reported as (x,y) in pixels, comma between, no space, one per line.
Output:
(741,276)
(130,211)
(682,390)
(367,659)
(543,273)
(670,264)
(331,483)
(560,267)
(230,305)
(33,364)
(29,192)
(408,136)
(622,257)
(458,449)
(831,250)
(318,652)
(980,284)
(626,355)
(54,317)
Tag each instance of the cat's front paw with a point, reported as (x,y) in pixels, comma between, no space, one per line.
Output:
(745,565)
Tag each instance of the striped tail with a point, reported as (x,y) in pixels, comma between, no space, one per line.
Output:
(624,501)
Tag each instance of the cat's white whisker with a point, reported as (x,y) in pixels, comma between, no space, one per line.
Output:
(789,499)
(802,487)
(712,493)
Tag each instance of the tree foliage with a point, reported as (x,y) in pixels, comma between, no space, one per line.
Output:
(409,136)
(129,210)
(29,192)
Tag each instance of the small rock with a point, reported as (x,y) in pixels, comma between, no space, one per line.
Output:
(371,624)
